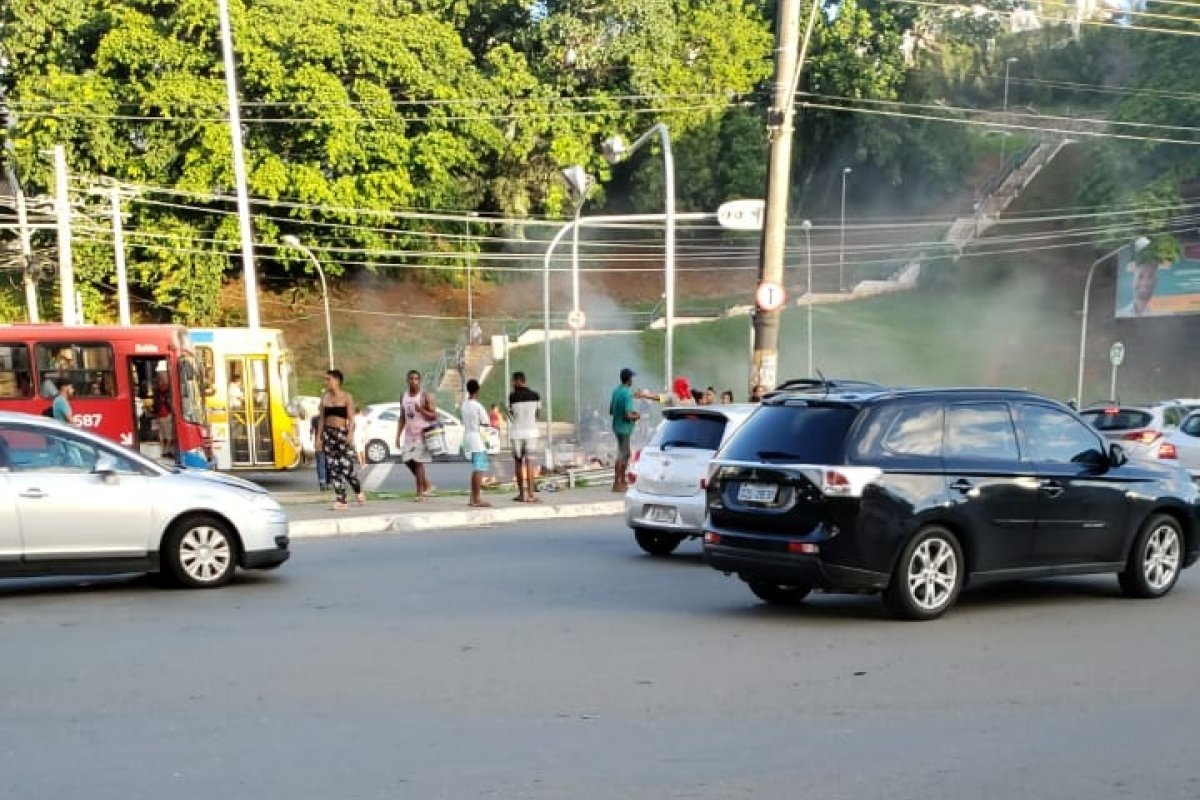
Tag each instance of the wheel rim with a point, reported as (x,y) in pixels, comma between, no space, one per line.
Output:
(1161,561)
(376,452)
(205,554)
(932,574)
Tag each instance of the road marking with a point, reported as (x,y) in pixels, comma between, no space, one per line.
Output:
(377,474)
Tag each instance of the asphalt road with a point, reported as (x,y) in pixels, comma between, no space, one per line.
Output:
(555,662)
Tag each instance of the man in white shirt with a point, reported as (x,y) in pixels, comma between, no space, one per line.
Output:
(523,406)
(474,417)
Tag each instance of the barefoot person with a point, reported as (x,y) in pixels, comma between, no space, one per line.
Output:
(419,413)
(624,418)
(335,428)
(523,405)
(474,417)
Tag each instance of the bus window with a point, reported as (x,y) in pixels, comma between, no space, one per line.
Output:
(16,379)
(89,367)
(191,403)
(208,370)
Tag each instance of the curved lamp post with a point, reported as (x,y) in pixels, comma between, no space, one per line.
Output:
(292,241)
(1139,244)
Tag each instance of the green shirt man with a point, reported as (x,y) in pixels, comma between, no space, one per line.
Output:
(623,418)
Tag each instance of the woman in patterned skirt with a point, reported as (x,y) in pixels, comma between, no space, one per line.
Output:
(335,427)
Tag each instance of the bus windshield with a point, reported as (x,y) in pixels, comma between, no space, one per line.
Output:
(191,398)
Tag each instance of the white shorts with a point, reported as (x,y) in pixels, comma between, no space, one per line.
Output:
(415,450)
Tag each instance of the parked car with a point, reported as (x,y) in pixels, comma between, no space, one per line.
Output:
(1138,429)
(1182,446)
(917,493)
(383,422)
(665,501)
(72,503)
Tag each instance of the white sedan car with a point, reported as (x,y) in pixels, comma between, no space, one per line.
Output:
(383,422)
(74,504)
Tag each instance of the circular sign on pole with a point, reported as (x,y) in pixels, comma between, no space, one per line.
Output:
(576,319)
(769,296)
(1116,354)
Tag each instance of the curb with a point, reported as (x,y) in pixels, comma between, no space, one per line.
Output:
(410,522)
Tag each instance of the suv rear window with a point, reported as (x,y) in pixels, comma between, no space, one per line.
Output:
(801,434)
(699,431)
(1124,419)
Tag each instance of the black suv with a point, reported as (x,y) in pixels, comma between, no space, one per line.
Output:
(917,492)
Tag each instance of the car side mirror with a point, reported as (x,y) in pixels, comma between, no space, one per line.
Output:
(106,467)
(1117,456)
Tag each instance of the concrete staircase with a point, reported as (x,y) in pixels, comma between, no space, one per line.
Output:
(460,365)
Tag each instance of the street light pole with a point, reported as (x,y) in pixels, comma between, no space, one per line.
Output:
(842,247)
(614,151)
(578,182)
(292,241)
(806,225)
(470,299)
(1004,141)
(1140,243)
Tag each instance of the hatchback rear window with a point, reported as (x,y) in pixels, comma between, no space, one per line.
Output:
(698,431)
(1124,419)
(800,434)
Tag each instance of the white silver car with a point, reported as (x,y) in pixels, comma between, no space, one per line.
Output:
(1138,429)
(665,502)
(1182,446)
(383,422)
(74,504)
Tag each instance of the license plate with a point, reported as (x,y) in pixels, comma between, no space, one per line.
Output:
(757,492)
(660,513)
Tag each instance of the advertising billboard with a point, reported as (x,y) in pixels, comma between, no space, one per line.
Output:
(1159,280)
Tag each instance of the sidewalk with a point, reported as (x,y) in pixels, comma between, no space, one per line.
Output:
(311,516)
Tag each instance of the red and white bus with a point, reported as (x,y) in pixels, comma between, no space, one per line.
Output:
(137,385)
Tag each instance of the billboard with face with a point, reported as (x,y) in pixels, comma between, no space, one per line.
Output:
(1161,279)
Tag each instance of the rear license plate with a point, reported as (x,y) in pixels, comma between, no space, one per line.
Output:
(757,492)
(660,513)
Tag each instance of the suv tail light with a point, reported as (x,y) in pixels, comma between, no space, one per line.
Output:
(1167,450)
(847,481)
(1143,437)
(631,472)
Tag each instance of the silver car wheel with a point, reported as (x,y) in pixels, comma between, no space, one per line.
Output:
(205,554)
(932,574)
(1161,560)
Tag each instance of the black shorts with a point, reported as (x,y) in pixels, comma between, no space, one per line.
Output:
(623,451)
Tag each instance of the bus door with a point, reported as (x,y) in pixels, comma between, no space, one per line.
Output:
(144,374)
(251,438)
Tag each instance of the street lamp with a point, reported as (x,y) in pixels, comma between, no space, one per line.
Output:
(842,248)
(578,184)
(806,225)
(292,241)
(615,150)
(1139,244)
(1003,142)
(470,257)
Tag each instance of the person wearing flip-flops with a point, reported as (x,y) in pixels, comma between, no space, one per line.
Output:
(335,427)
(474,417)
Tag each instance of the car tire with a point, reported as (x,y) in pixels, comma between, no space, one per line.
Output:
(656,543)
(199,552)
(780,594)
(928,576)
(377,451)
(1155,559)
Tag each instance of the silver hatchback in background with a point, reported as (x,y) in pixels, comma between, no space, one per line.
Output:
(1138,429)
(665,501)
(1182,446)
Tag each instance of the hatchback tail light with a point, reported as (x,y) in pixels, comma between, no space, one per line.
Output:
(631,472)
(1167,450)
(1143,437)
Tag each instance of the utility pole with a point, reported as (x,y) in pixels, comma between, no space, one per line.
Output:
(119,254)
(789,60)
(62,209)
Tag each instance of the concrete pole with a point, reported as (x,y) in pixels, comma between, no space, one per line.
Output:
(239,167)
(25,235)
(62,210)
(575,306)
(119,254)
(807,225)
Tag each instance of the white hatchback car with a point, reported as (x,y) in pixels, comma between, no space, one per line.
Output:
(665,502)
(1182,446)
(74,504)
(383,422)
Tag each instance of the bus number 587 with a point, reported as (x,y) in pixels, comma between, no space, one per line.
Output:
(89,420)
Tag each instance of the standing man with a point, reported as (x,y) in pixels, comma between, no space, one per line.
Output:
(163,416)
(474,417)
(624,417)
(61,407)
(523,406)
(419,413)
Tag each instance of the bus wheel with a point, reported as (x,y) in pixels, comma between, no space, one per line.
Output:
(199,552)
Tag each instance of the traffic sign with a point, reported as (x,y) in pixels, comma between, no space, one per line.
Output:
(1116,354)
(742,215)
(769,296)
(576,319)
